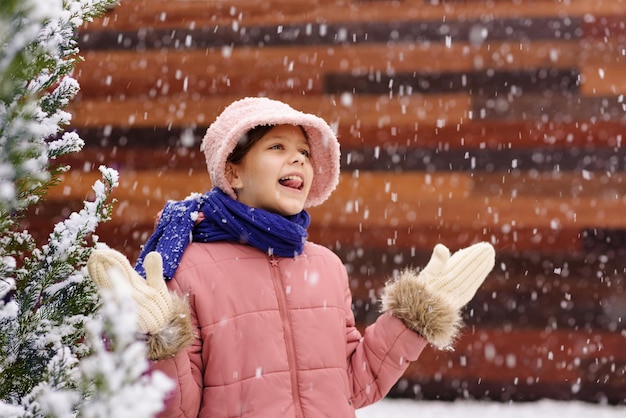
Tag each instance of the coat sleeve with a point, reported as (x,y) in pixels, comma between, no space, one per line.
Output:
(185,369)
(378,358)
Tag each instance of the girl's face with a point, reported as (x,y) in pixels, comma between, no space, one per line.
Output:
(276,173)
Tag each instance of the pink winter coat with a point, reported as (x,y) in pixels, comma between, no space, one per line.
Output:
(276,337)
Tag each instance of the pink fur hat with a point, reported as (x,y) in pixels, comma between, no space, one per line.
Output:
(242,115)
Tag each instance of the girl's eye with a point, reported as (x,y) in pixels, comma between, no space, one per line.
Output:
(276,146)
(306,153)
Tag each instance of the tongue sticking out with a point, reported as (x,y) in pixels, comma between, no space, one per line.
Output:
(293,183)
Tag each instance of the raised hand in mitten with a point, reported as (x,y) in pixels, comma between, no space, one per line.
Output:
(162,316)
(430,302)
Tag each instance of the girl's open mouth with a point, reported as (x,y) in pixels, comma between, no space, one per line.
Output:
(294,182)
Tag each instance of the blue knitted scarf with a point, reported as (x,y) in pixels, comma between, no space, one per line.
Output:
(225,219)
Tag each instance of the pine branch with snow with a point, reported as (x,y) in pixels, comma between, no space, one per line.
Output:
(64,350)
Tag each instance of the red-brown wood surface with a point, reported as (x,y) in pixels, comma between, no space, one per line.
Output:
(459,121)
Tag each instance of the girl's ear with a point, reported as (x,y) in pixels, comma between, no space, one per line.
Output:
(232,176)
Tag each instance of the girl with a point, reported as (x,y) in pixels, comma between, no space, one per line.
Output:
(259,322)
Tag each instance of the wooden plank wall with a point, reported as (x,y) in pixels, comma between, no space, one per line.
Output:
(459,121)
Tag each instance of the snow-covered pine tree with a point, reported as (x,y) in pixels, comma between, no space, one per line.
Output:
(64,351)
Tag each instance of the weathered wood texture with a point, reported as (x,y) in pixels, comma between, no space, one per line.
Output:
(459,121)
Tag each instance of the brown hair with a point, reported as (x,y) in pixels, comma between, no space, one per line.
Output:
(246,142)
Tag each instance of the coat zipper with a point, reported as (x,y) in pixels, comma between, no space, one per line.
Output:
(287,329)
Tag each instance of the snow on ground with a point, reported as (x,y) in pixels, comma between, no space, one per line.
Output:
(404,408)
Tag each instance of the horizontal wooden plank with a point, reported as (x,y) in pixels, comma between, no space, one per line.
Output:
(178,146)
(540,301)
(484,311)
(346,33)
(128,236)
(398,200)
(404,242)
(604,78)
(441,388)
(603,27)
(190,110)
(137,185)
(550,107)
(567,279)
(404,199)
(357,112)
(491,83)
(604,384)
(190,13)
(551,355)
(287,69)
(546,240)
(586,162)
(574,365)
(595,242)
(602,49)
(519,366)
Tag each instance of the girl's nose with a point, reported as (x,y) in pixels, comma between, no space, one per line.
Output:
(298,158)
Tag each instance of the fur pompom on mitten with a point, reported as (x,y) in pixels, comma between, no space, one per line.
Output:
(162,316)
(430,302)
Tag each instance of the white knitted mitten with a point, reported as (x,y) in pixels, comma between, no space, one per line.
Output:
(430,302)
(161,315)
